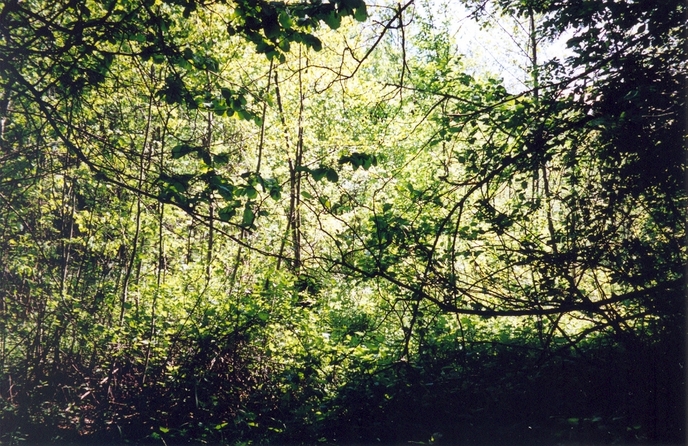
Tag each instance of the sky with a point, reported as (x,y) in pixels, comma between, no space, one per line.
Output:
(501,47)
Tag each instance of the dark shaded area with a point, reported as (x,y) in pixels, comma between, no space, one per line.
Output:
(618,397)
(595,393)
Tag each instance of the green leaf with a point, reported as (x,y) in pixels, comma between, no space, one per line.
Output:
(358,159)
(227,94)
(244,114)
(248,217)
(285,46)
(219,110)
(181,150)
(332,176)
(227,213)
(264,47)
(285,20)
(174,91)
(361,13)
(332,20)
(319,173)
(221,159)
(205,156)
(312,42)
(226,191)
(367,162)
(176,183)
(251,192)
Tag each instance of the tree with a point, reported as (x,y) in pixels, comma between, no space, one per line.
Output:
(543,191)
(562,205)
(223,221)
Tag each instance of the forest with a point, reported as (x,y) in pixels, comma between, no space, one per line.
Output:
(342,222)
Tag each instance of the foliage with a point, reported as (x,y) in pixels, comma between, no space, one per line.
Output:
(240,221)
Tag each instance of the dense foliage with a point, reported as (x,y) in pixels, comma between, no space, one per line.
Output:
(235,222)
